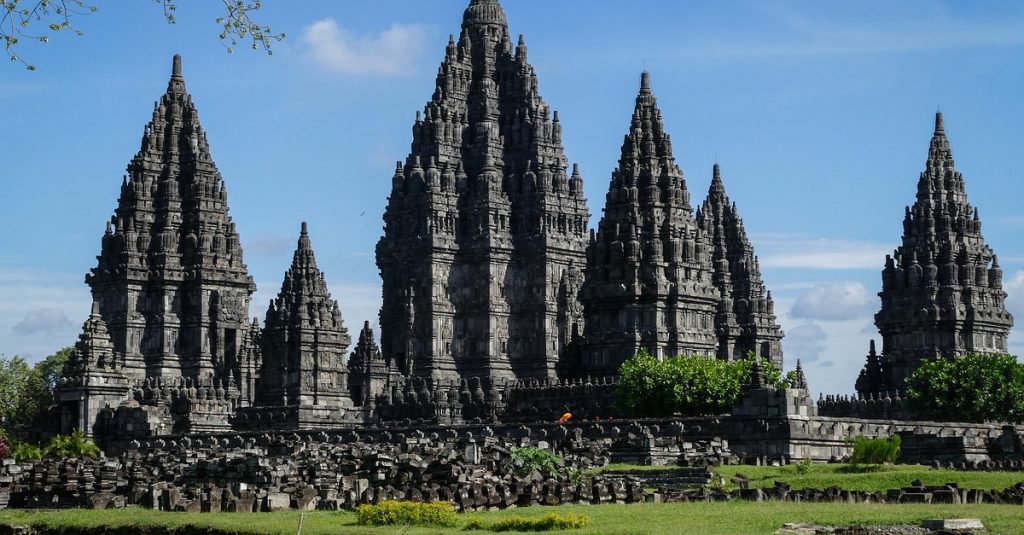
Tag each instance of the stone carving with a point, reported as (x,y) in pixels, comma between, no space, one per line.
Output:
(304,342)
(658,278)
(482,219)
(942,288)
(496,306)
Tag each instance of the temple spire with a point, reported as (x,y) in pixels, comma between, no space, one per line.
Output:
(176,66)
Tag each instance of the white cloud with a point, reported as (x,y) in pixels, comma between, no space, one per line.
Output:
(808,252)
(805,342)
(57,304)
(392,52)
(834,301)
(42,321)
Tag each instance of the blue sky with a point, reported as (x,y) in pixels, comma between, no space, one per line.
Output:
(819,114)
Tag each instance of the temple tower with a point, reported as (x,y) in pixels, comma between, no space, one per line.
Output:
(648,278)
(304,345)
(170,283)
(485,228)
(942,288)
(745,321)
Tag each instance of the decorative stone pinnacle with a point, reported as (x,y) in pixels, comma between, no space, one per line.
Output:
(940,126)
(176,66)
(645,83)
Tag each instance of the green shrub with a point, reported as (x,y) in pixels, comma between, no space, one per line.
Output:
(475,523)
(691,386)
(396,513)
(527,460)
(803,467)
(5,447)
(875,450)
(23,451)
(548,522)
(75,444)
(970,388)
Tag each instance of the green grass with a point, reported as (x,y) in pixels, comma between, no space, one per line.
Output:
(869,478)
(677,518)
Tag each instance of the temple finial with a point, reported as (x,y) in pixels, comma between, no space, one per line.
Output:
(176,66)
(645,82)
(305,228)
(940,125)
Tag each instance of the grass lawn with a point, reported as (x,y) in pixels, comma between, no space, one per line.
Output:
(868,477)
(851,477)
(678,518)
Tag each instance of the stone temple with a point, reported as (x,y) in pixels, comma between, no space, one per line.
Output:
(942,288)
(499,303)
(661,279)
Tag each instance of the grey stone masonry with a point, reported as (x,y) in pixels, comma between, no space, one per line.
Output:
(304,345)
(942,289)
(170,282)
(745,321)
(648,279)
(93,377)
(485,228)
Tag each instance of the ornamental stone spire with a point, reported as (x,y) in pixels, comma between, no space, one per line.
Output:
(648,280)
(170,282)
(483,220)
(304,345)
(942,288)
(93,378)
(745,321)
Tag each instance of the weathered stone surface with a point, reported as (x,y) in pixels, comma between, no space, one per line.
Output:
(942,289)
(485,228)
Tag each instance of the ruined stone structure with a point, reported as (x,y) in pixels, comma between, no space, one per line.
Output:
(745,321)
(485,229)
(496,307)
(170,282)
(304,345)
(660,279)
(942,288)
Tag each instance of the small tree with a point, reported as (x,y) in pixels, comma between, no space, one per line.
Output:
(971,388)
(688,385)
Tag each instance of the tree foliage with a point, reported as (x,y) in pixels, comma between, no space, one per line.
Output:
(27,390)
(38,20)
(688,385)
(971,388)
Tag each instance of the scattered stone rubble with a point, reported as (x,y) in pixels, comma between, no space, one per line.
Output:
(473,470)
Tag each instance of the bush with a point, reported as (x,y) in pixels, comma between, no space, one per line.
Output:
(691,386)
(5,447)
(75,444)
(548,522)
(875,450)
(971,388)
(527,460)
(23,451)
(396,513)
